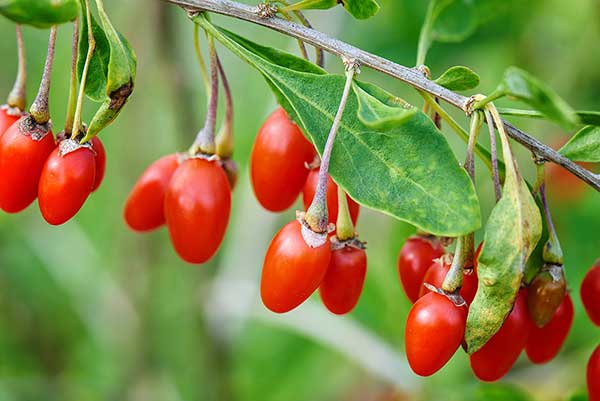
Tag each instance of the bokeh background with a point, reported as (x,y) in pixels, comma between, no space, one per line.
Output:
(93,311)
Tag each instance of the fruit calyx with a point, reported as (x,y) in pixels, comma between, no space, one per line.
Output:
(69,145)
(353,242)
(455,296)
(30,127)
(313,239)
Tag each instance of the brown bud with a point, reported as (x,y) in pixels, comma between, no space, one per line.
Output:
(546,293)
(231,170)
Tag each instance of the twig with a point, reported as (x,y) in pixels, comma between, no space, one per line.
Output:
(408,75)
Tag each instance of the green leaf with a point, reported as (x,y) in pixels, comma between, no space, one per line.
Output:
(113,73)
(359,9)
(527,88)
(40,13)
(407,171)
(511,234)
(589,117)
(584,146)
(378,115)
(458,78)
(95,87)
(454,21)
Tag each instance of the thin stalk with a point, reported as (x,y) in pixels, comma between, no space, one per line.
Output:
(480,151)
(494,152)
(344,229)
(72,103)
(320,57)
(480,104)
(224,140)
(17,97)
(39,109)
(301,45)
(552,249)
(317,214)
(476,123)
(200,59)
(454,278)
(205,140)
(424,39)
(78,124)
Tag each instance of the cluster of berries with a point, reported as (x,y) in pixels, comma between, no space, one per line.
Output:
(60,172)
(533,324)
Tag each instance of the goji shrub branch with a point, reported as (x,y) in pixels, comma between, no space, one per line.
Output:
(408,75)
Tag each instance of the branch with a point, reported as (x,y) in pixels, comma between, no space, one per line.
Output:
(408,75)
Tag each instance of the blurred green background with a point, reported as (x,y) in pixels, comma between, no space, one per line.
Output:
(92,311)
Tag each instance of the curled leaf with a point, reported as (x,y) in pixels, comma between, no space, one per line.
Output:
(379,115)
(359,9)
(584,146)
(511,235)
(527,88)
(40,13)
(459,78)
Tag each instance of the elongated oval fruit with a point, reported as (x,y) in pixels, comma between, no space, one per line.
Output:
(343,282)
(277,162)
(292,270)
(197,206)
(24,150)
(310,188)
(593,375)
(66,181)
(435,328)
(6,119)
(415,258)
(437,273)
(496,358)
(145,206)
(590,293)
(100,157)
(544,343)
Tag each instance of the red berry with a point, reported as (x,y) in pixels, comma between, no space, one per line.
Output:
(100,158)
(197,206)
(593,375)
(22,159)
(415,257)
(344,279)
(544,343)
(292,270)
(590,293)
(434,330)
(310,188)
(437,273)
(6,120)
(144,209)
(66,181)
(501,352)
(277,162)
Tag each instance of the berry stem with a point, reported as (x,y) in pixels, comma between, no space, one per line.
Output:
(18,95)
(39,109)
(200,58)
(316,216)
(320,56)
(205,140)
(224,140)
(344,229)
(494,152)
(72,103)
(552,250)
(78,125)
(454,278)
